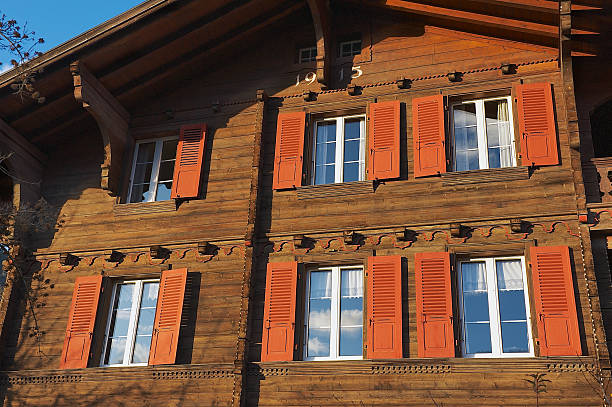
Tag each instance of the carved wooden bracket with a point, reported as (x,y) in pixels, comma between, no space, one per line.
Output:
(25,162)
(321,16)
(113,121)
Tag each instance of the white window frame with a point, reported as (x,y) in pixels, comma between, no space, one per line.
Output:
(159,144)
(310,50)
(339,158)
(334,333)
(351,42)
(134,314)
(494,317)
(481,128)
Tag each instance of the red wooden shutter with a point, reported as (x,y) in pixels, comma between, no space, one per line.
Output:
(384,140)
(384,307)
(554,300)
(81,321)
(168,314)
(428,136)
(289,156)
(279,312)
(188,164)
(537,125)
(434,305)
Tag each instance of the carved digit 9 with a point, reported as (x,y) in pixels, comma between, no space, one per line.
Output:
(310,78)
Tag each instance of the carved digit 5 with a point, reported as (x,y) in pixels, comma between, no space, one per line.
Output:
(358,70)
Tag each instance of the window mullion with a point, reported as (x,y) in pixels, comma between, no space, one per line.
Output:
(362,149)
(108,324)
(511,127)
(482,135)
(134,161)
(129,346)
(339,150)
(496,346)
(155,170)
(335,320)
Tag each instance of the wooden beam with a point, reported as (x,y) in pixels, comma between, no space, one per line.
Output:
(550,31)
(321,16)
(113,121)
(16,143)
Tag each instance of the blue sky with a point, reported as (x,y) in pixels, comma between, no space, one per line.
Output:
(57,21)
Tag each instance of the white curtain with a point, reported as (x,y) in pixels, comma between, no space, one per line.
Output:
(505,137)
(352,283)
(509,275)
(473,276)
(320,284)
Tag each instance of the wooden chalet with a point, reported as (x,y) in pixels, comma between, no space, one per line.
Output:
(315,203)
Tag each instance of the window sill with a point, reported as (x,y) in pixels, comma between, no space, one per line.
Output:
(144,208)
(424,366)
(335,190)
(488,175)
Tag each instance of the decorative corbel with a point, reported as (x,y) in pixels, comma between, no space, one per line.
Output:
(113,122)
(158,252)
(321,17)
(206,248)
(517,225)
(350,237)
(24,161)
(67,259)
(299,241)
(113,256)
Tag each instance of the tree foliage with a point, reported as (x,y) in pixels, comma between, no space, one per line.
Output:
(22,44)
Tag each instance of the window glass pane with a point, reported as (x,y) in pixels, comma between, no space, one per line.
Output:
(146,152)
(514,337)
(351,172)
(145,321)
(325,174)
(326,132)
(319,310)
(142,173)
(466,137)
(351,341)
(166,171)
(499,137)
(356,47)
(169,150)
(140,193)
(149,294)
(115,351)
(478,338)
(351,150)
(352,129)
(351,312)
(475,297)
(142,345)
(475,307)
(164,191)
(119,324)
(512,312)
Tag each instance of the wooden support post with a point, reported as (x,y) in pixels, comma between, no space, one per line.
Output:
(321,16)
(113,121)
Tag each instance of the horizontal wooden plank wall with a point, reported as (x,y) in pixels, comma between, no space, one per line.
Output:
(224,97)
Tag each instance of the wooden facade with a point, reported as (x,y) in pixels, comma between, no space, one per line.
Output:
(226,79)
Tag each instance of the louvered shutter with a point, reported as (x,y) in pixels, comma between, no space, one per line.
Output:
(537,125)
(279,312)
(384,307)
(554,300)
(81,321)
(428,136)
(164,342)
(384,140)
(289,156)
(188,164)
(434,305)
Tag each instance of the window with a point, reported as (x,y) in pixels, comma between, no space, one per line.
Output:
(153,170)
(339,150)
(350,48)
(333,322)
(130,323)
(494,308)
(483,134)
(308,54)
